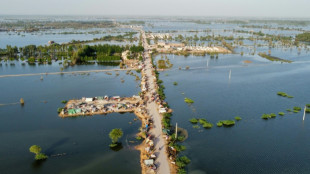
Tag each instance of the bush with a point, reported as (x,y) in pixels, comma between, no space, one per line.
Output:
(175,83)
(202,121)
(238,118)
(194,120)
(37,150)
(289,110)
(196,126)
(281,113)
(64,101)
(177,147)
(219,124)
(181,171)
(59,110)
(188,100)
(40,156)
(296,108)
(283,94)
(207,125)
(273,115)
(228,122)
(266,116)
(308,105)
(182,161)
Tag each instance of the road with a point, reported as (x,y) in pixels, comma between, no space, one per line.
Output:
(162,162)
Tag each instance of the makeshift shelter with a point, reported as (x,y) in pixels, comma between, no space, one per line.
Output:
(149,162)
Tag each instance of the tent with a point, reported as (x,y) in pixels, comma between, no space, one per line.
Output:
(149,162)
(71,111)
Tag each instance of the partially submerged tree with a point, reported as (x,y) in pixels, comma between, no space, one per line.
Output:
(115,134)
(37,150)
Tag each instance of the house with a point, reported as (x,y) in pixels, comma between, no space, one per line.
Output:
(51,42)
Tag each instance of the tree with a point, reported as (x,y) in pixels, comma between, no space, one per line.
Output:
(115,134)
(37,150)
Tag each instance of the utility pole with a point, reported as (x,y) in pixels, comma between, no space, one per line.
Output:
(176,130)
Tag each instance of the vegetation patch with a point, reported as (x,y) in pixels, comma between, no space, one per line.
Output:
(238,118)
(181,162)
(219,124)
(304,37)
(227,122)
(115,134)
(296,108)
(194,120)
(266,116)
(283,94)
(281,113)
(272,58)
(188,100)
(37,150)
(59,110)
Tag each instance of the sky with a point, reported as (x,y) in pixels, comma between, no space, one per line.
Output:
(229,8)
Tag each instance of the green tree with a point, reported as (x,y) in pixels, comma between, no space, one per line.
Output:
(115,134)
(37,150)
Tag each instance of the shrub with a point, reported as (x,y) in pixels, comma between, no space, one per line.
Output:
(188,100)
(296,108)
(59,110)
(194,120)
(181,171)
(177,147)
(238,118)
(40,156)
(273,115)
(64,101)
(202,121)
(182,161)
(228,122)
(265,116)
(37,150)
(196,126)
(281,113)
(289,110)
(207,125)
(283,94)
(308,105)
(175,83)
(219,124)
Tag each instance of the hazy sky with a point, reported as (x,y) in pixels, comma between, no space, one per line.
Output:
(251,8)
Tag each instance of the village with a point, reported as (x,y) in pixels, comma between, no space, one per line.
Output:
(147,106)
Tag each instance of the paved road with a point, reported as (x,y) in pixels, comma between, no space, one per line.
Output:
(161,161)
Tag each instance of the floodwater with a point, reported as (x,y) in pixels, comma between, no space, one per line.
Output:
(84,140)
(253,145)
